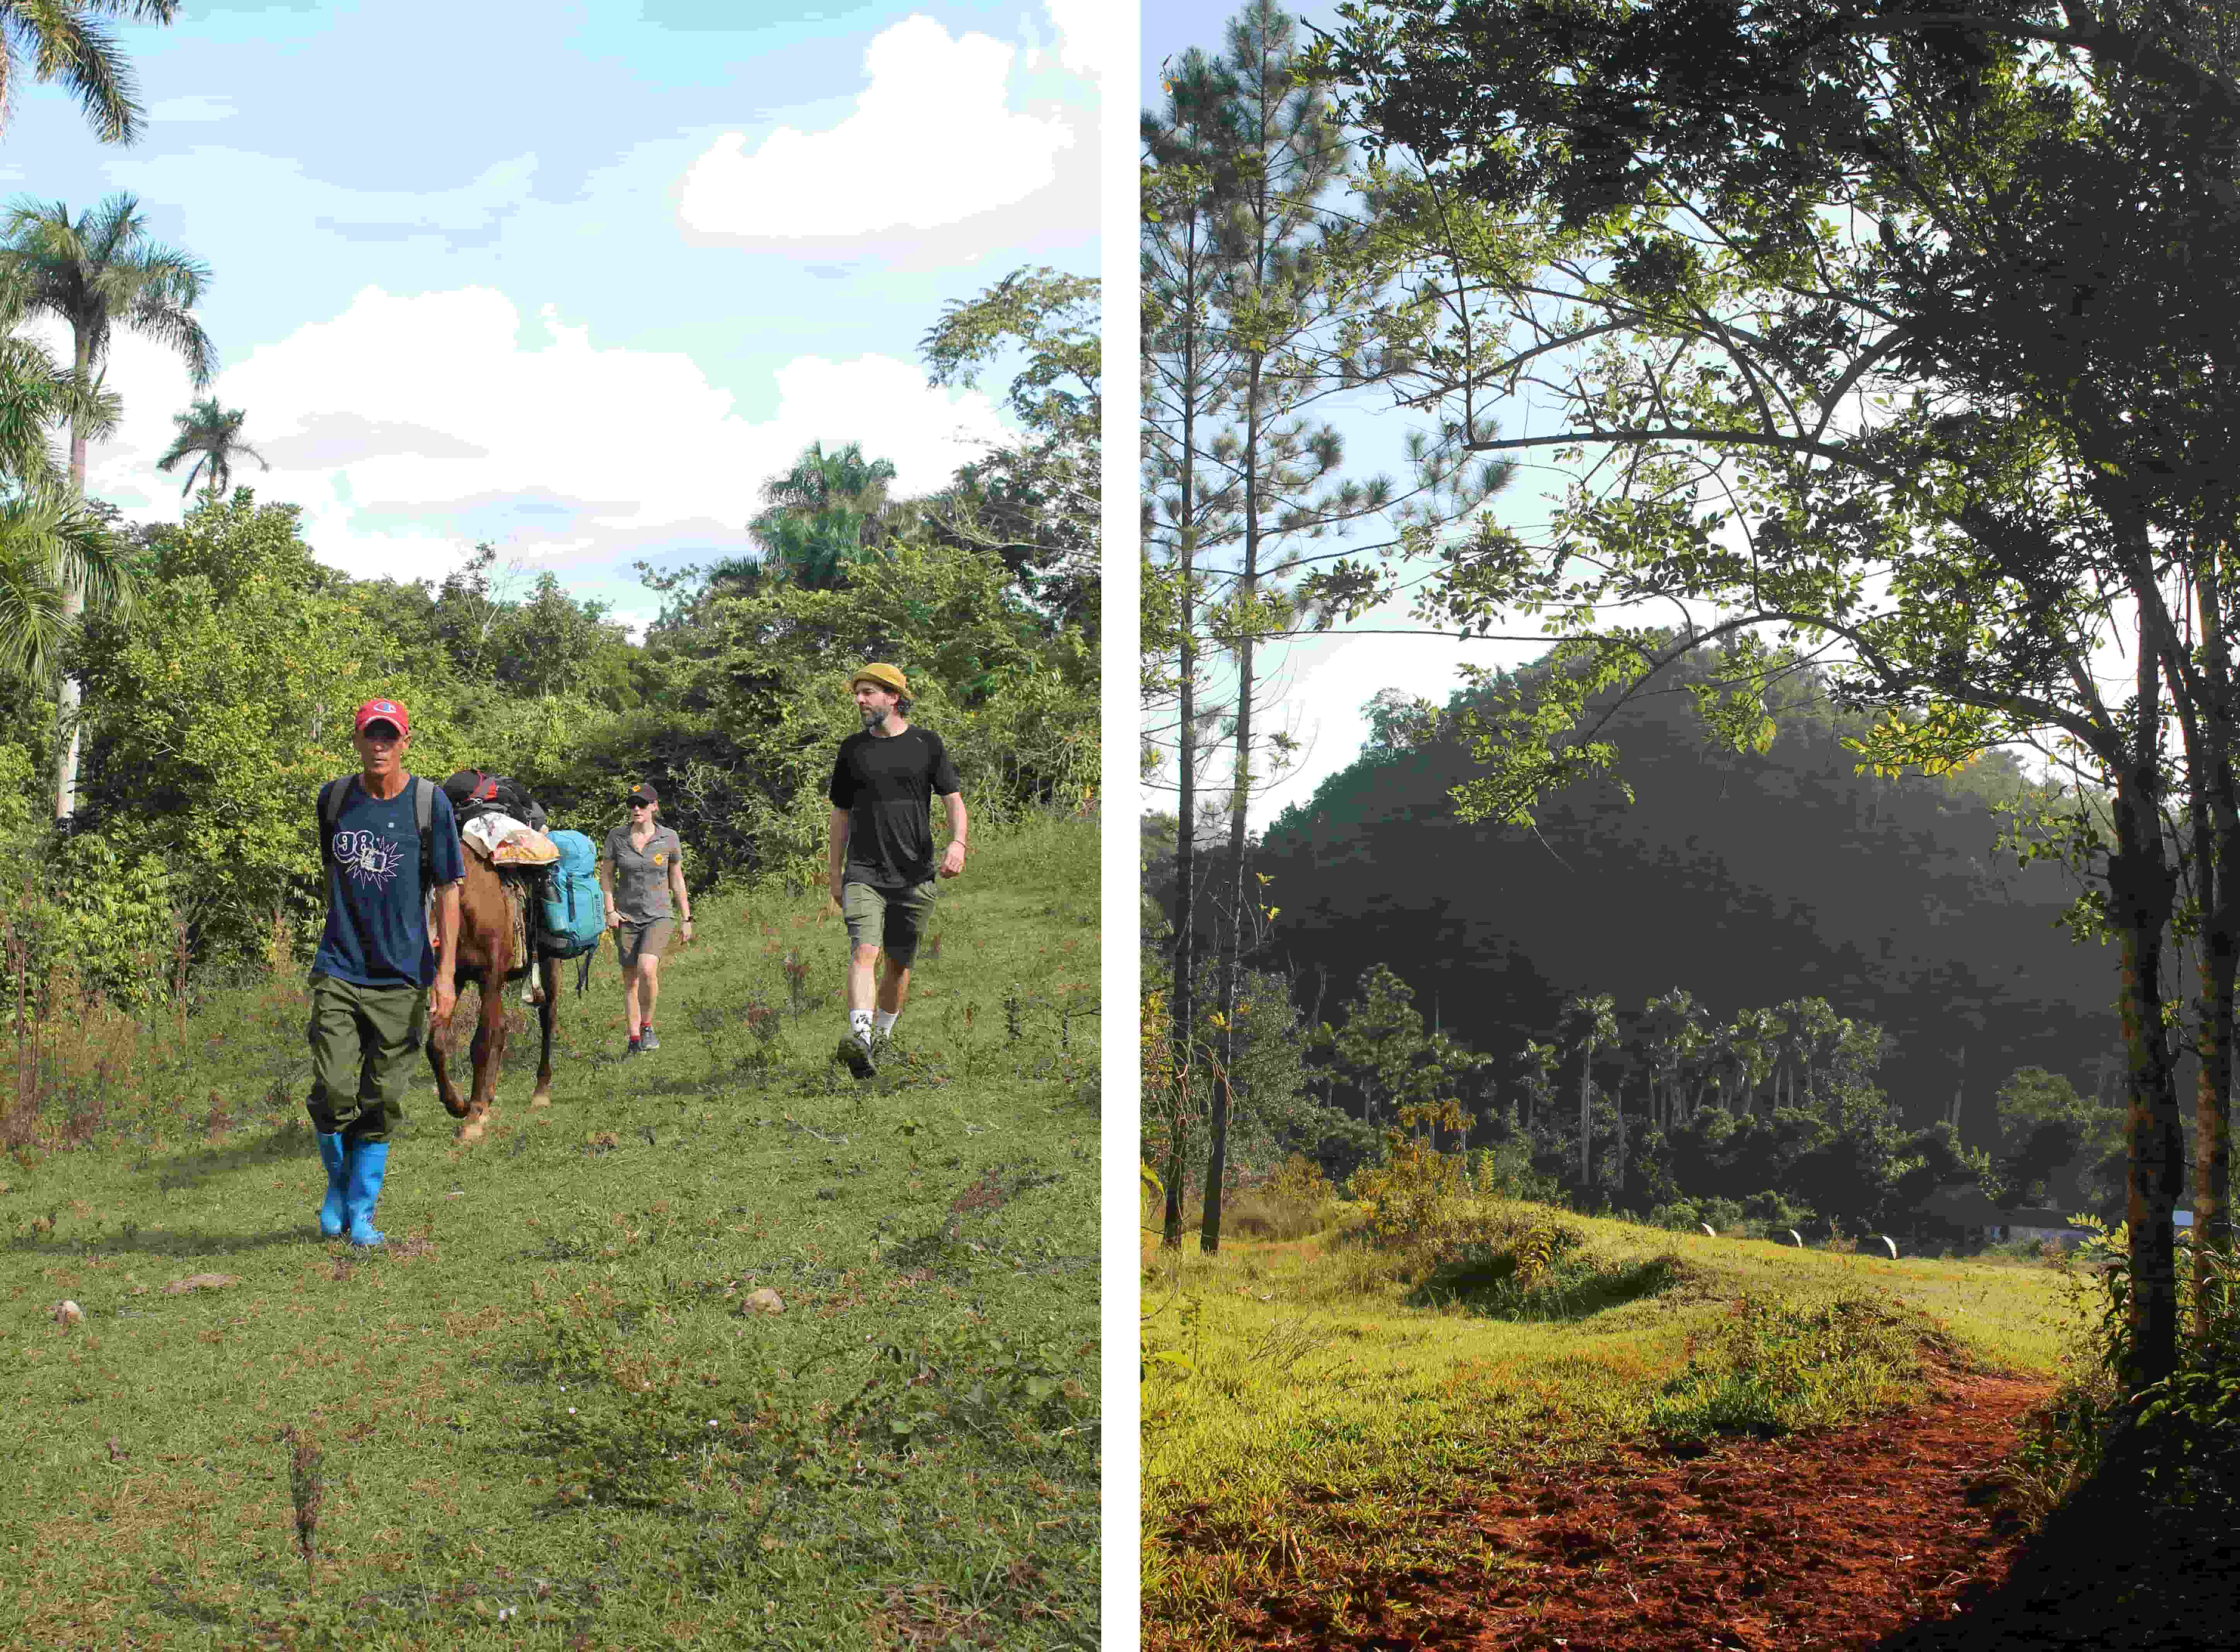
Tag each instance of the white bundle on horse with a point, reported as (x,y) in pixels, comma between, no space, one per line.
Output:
(504,841)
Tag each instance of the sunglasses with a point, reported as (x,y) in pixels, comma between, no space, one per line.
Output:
(639,802)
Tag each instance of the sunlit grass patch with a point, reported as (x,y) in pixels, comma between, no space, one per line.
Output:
(917,1425)
(1314,1408)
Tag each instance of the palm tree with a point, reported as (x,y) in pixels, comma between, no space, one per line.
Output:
(99,273)
(820,516)
(213,435)
(36,394)
(66,44)
(49,542)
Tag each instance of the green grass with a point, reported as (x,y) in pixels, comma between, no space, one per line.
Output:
(547,1414)
(1309,1406)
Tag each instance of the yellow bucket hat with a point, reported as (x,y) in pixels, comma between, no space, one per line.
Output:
(887,677)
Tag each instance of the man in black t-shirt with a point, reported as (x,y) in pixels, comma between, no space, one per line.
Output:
(882,851)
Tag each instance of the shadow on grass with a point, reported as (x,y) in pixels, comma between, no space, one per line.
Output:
(2112,1567)
(1570,1290)
(108,1243)
(196,1165)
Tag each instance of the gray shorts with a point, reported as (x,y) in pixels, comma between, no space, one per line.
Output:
(891,920)
(634,942)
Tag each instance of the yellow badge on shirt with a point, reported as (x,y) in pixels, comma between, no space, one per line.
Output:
(661,860)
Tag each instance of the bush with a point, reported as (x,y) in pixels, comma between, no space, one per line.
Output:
(1295,1201)
(1774,1366)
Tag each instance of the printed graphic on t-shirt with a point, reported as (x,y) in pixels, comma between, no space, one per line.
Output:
(368,858)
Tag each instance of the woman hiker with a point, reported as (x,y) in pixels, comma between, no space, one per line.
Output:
(642,870)
(387,839)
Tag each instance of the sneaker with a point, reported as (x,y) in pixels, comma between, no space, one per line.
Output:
(636,1048)
(858,1058)
(646,1040)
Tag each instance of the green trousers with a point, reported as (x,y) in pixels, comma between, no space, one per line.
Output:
(364,1042)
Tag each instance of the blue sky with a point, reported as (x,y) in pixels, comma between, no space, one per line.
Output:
(576,279)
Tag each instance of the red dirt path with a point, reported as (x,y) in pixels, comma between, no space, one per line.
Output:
(1833,1540)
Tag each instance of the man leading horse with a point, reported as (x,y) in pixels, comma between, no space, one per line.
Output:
(386,838)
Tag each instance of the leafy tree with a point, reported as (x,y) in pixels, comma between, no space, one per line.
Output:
(1933,299)
(1036,504)
(2049,1135)
(225,703)
(1383,1053)
(99,273)
(211,437)
(48,544)
(67,42)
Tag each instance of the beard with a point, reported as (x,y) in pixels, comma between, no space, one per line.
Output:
(874,719)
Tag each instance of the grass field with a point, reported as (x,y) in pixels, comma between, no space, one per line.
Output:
(1310,1400)
(549,1412)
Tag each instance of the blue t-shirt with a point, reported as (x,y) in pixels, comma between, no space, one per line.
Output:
(376,933)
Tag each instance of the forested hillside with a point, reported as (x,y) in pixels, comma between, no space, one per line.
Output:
(1745,879)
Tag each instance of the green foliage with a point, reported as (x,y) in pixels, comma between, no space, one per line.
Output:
(1773,1367)
(225,705)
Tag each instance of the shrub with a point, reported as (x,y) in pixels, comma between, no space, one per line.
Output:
(1774,1366)
(1295,1201)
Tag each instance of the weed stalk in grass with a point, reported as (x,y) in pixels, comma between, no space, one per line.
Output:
(306,1488)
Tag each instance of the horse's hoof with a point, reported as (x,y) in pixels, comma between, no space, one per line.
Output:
(541,1099)
(471,1130)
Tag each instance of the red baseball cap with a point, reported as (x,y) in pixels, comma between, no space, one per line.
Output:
(391,712)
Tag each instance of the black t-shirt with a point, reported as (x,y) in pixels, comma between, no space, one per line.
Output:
(884,782)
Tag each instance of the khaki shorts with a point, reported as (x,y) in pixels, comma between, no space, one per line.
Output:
(892,920)
(634,942)
(363,1040)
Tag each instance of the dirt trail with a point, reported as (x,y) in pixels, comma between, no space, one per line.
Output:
(1836,1539)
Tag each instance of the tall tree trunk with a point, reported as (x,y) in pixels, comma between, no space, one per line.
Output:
(1240,794)
(2141,888)
(1586,1071)
(1185,1000)
(68,695)
(2216,851)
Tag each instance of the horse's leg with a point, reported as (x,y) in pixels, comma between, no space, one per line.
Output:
(548,1012)
(488,1053)
(440,1040)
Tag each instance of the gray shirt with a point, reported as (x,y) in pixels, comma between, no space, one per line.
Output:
(641,878)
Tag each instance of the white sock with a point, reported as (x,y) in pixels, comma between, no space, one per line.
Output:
(859,1023)
(885,1021)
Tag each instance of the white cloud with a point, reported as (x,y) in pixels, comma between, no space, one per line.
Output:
(1090,35)
(930,141)
(197,107)
(409,427)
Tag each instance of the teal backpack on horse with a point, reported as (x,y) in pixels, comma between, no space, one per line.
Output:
(573,908)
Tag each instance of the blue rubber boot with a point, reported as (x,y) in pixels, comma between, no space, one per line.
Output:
(367,1163)
(331,1213)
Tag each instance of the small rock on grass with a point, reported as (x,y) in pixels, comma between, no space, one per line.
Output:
(68,1313)
(763,1300)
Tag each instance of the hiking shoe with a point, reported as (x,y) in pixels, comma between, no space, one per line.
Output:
(646,1040)
(858,1059)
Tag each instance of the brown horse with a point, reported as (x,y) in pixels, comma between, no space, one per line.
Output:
(488,944)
